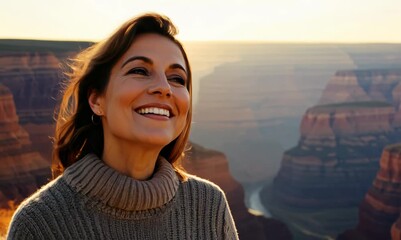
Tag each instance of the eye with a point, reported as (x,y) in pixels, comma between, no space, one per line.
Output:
(138,71)
(177,79)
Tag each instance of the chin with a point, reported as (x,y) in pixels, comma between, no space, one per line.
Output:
(157,140)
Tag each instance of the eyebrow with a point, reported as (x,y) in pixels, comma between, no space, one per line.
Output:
(176,65)
(142,58)
(149,61)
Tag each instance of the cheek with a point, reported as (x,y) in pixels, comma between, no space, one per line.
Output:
(183,101)
(123,97)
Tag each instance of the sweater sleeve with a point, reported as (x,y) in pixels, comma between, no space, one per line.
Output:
(24,224)
(19,231)
(214,209)
(230,231)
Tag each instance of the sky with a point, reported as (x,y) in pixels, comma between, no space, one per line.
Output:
(209,20)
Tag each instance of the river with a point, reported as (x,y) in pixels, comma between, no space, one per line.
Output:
(255,204)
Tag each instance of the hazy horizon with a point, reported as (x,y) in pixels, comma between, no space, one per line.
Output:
(312,21)
(224,41)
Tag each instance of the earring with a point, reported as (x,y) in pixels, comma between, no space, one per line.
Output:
(95,122)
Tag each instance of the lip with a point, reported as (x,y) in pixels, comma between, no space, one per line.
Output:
(157,105)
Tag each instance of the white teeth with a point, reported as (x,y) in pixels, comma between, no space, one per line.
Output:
(153,110)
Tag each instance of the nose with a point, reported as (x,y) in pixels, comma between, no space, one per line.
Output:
(161,86)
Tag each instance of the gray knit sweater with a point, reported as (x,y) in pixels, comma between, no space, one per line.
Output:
(93,201)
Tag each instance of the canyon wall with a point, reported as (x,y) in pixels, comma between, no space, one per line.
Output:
(22,169)
(337,155)
(361,85)
(379,212)
(32,70)
(34,80)
(381,206)
(29,87)
(341,140)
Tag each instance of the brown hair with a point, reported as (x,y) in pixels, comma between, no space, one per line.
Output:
(75,134)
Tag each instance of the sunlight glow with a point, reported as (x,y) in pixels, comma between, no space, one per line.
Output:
(239,20)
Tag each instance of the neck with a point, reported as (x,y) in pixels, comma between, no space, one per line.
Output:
(134,161)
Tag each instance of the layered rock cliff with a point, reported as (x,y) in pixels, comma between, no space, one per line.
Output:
(337,156)
(366,85)
(32,71)
(362,85)
(33,78)
(341,140)
(382,204)
(379,212)
(213,165)
(22,169)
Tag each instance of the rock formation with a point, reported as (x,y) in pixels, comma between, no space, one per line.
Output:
(32,71)
(362,85)
(366,85)
(33,78)
(337,156)
(381,206)
(341,140)
(213,165)
(22,169)
(396,230)
(380,209)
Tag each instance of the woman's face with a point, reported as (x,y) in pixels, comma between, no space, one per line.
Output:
(146,100)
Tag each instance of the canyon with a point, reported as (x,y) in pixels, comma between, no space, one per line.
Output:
(258,98)
(253,105)
(337,155)
(22,168)
(340,152)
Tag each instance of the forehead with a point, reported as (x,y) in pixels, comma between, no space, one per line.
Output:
(159,49)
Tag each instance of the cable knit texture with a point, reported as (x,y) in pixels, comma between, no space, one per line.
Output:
(93,201)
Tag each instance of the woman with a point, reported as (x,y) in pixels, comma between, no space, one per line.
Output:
(121,131)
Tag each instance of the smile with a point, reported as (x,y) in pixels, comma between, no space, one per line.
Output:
(154,110)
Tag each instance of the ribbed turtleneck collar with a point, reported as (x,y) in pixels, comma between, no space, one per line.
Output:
(93,178)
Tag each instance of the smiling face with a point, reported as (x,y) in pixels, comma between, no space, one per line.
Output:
(146,101)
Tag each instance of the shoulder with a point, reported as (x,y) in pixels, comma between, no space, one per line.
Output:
(35,210)
(200,186)
(201,182)
(45,195)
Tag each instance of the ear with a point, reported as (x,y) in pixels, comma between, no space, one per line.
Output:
(95,101)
